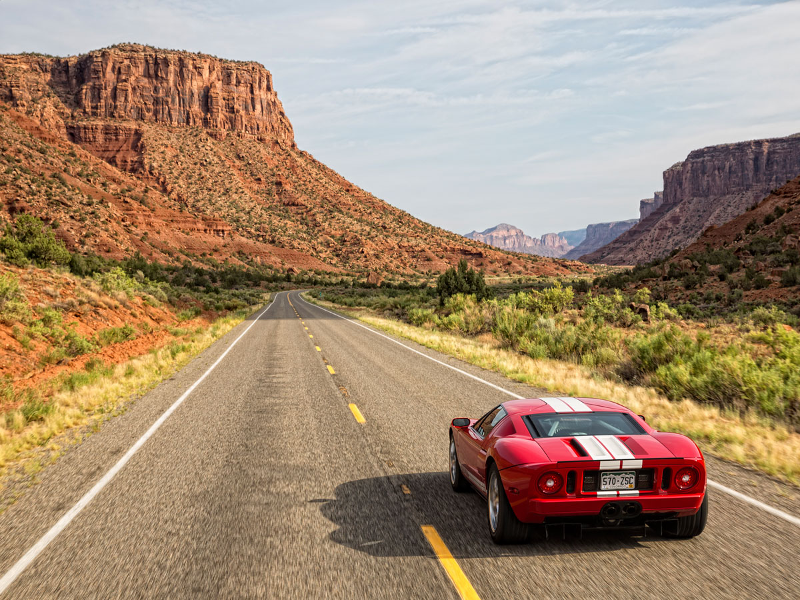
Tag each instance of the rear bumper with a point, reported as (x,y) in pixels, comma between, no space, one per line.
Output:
(654,506)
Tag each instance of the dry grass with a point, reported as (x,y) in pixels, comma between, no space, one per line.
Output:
(25,447)
(748,440)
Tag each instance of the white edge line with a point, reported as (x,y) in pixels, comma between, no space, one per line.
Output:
(23,563)
(754,502)
(765,507)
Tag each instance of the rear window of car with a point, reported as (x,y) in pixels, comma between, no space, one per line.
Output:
(574,424)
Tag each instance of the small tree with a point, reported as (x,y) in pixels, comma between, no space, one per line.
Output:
(463,280)
(31,240)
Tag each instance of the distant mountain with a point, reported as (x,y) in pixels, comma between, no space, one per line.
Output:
(711,187)
(508,237)
(598,235)
(574,237)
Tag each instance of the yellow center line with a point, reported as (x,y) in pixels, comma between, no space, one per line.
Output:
(311,336)
(331,371)
(318,348)
(306,328)
(357,413)
(460,581)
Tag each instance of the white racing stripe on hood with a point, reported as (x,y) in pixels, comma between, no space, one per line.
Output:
(576,405)
(593,448)
(558,405)
(618,450)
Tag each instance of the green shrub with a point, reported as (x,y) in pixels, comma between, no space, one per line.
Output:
(75,344)
(791,277)
(115,335)
(422,317)
(30,240)
(116,280)
(463,280)
(34,409)
(13,306)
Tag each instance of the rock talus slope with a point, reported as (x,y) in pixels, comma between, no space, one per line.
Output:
(179,155)
(712,186)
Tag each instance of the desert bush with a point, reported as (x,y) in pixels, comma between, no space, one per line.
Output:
(13,306)
(463,280)
(791,277)
(29,240)
(115,335)
(423,317)
(116,280)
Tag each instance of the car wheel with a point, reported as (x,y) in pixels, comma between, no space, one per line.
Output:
(457,479)
(689,527)
(504,526)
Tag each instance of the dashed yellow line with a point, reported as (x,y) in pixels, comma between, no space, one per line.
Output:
(306,328)
(311,336)
(331,371)
(357,413)
(318,348)
(460,581)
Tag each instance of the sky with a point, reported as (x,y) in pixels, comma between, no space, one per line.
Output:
(548,115)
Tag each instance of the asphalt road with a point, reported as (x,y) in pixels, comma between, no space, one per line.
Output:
(262,484)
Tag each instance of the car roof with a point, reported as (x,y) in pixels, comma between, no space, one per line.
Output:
(529,406)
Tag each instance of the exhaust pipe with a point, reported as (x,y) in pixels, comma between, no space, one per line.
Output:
(621,510)
(631,509)
(610,511)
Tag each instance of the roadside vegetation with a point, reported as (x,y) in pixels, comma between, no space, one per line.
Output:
(732,383)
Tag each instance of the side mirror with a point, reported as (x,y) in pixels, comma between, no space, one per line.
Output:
(642,418)
(461,422)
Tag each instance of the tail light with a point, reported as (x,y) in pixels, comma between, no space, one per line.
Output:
(686,478)
(550,483)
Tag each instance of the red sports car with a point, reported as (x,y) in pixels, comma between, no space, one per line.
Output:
(578,461)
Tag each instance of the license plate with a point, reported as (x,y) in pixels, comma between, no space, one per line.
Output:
(618,480)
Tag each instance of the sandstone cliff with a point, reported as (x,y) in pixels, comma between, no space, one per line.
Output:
(649,205)
(185,156)
(513,239)
(598,235)
(139,83)
(710,187)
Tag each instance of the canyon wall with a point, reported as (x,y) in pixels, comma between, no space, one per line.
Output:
(712,186)
(598,235)
(649,205)
(140,83)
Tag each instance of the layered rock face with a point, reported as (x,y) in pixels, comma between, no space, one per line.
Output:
(508,237)
(139,83)
(712,186)
(598,235)
(649,205)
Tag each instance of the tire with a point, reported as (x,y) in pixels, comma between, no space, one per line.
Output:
(457,479)
(691,526)
(504,527)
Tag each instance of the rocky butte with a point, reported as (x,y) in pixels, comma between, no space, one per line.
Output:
(512,238)
(712,186)
(183,156)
